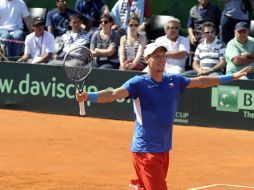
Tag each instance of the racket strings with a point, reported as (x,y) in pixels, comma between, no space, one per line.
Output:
(78,64)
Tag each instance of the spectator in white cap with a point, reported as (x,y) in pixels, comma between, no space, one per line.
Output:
(240,51)
(39,45)
(155,97)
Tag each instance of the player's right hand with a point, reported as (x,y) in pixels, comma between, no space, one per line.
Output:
(81,97)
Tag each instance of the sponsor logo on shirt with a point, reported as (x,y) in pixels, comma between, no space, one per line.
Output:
(171,85)
(151,86)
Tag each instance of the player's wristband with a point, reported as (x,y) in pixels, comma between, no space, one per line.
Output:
(225,78)
(93,96)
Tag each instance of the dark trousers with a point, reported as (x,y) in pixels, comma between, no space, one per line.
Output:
(228,27)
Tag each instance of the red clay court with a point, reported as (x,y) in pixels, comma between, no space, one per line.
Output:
(59,152)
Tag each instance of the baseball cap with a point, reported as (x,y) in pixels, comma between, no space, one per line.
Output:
(38,20)
(150,48)
(241,26)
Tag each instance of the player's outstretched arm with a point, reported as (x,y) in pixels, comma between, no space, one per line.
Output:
(208,81)
(103,96)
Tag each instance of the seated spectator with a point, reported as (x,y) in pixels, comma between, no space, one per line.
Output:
(104,45)
(204,11)
(72,38)
(178,47)
(92,11)
(132,47)
(240,51)
(209,56)
(123,9)
(57,21)
(39,45)
(234,11)
(12,15)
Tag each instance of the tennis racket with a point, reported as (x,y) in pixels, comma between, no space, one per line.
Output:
(77,64)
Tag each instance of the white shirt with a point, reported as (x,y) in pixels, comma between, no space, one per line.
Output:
(181,44)
(12,13)
(38,46)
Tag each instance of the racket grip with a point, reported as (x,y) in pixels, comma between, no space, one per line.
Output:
(82,110)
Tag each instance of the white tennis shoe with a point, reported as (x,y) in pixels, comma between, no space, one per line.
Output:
(135,187)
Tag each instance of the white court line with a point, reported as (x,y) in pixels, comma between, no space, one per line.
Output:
(240,186)
(229,185)
(204,187)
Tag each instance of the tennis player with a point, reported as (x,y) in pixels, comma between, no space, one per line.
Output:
(155,97)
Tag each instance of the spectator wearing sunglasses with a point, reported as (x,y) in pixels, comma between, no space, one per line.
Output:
(204,11)
(178,47)
(209,58)
(57,21)
(104,44)
(132,47)
(123,9)
(240,51)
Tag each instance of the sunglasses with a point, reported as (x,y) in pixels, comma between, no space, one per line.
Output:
(173,28)
(209,32)
(62,1)
(131,25)
(38,25)
(104,21)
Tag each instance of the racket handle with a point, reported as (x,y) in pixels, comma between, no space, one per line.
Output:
(82,110)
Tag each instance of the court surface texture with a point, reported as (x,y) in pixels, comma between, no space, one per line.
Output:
(58,152)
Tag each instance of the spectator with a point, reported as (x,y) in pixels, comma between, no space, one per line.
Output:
(123,9)
(234,11)
(240,51)
(39,45)
(132,47)
(104,45)
(92,11)
(58,19)
(72,38)
(12,15)
(178,47)
(209,56)
(202,12)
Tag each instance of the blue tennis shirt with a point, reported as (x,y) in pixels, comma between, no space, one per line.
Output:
(155,105)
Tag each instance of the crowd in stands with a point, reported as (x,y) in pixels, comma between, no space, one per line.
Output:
(218,41)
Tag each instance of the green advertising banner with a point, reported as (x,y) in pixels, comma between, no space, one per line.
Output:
(44,88)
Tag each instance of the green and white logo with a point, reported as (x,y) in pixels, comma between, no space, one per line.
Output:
(232,98)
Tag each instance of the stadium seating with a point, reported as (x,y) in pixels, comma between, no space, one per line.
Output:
(38,12)
(155,26)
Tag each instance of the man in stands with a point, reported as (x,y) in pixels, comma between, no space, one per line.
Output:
(12,15)
(240,51)
(58,19)
(39,45)
(204,11)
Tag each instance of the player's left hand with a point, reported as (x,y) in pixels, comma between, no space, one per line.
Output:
(242,73)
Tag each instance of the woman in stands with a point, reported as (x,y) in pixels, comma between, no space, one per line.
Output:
(132,47)
(104,45)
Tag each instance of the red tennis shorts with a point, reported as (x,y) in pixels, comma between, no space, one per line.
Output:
(151,170)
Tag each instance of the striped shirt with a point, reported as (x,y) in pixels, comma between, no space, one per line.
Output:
(135,46)
(209,55)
